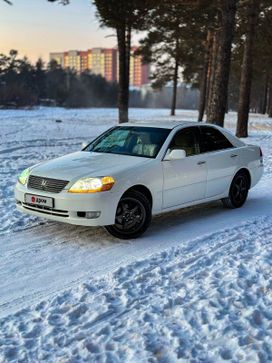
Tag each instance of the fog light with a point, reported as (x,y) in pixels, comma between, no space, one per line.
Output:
(93,215)
(81,214)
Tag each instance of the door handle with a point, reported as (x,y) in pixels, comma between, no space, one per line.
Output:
(233,155)
(201,162)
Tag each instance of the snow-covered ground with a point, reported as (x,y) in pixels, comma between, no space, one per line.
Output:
(196,287)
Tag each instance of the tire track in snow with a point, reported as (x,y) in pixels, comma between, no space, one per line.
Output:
(56,255)
(207,300)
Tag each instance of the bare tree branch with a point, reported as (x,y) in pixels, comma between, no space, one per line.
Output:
(8,2)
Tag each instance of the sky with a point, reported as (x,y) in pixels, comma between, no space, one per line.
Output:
(37,27)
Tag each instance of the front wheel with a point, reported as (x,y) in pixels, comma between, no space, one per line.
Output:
(133,216)
(238,191)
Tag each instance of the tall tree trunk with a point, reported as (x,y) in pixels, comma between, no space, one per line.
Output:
(204,80)
(175,83)
(124,48)
(246,72)
(211,71)
(264,101)
(220,89)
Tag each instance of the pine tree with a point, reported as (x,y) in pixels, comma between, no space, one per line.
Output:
(261,74)
(40,78)
(224,38)
(252,14)
(124,16)
(175,44)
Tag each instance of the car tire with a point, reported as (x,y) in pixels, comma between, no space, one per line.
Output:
(238,191)
(133,216)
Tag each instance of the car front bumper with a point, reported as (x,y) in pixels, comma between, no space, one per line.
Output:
(71,208)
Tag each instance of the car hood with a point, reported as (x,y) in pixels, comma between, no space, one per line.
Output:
(83,163)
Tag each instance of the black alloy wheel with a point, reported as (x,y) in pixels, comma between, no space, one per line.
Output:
(238,191)
(133,216)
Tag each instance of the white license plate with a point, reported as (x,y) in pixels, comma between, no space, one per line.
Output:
(39,200)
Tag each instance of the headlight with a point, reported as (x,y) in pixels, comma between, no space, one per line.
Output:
(92,185)
(23,177)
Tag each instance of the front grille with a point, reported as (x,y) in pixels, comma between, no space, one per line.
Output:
(45,210)
(46,184)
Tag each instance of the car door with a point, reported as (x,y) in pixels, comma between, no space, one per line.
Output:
(221,160)
(184,179)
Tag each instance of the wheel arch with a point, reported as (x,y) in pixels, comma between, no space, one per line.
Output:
(247,172)
(142,189)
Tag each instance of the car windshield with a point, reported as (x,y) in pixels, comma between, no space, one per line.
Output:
(130,140)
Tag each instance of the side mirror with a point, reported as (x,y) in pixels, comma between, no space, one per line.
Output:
(83,145)
(176,154)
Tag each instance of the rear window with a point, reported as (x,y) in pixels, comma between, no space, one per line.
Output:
(213,140)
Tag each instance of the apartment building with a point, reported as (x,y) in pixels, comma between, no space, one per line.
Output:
(139,72)
(84,65)
(110,64)
(58,57)
(97,66)
(103,61)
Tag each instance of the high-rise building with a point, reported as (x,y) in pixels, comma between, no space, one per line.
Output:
(103,61)
(110,64)
(58,57)
(139,72)
(70,59)
(74,60)
(84,66)
(66,60)
(97,64)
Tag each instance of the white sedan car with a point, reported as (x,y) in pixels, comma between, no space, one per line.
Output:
(134,171)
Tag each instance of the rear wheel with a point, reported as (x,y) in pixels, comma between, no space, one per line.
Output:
(133,216)
(238,191)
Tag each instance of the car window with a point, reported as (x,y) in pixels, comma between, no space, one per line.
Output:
(117,138)
(213,140)
(130,140)
(186,139)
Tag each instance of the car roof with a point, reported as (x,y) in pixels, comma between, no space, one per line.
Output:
(160,124)
(170,125)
